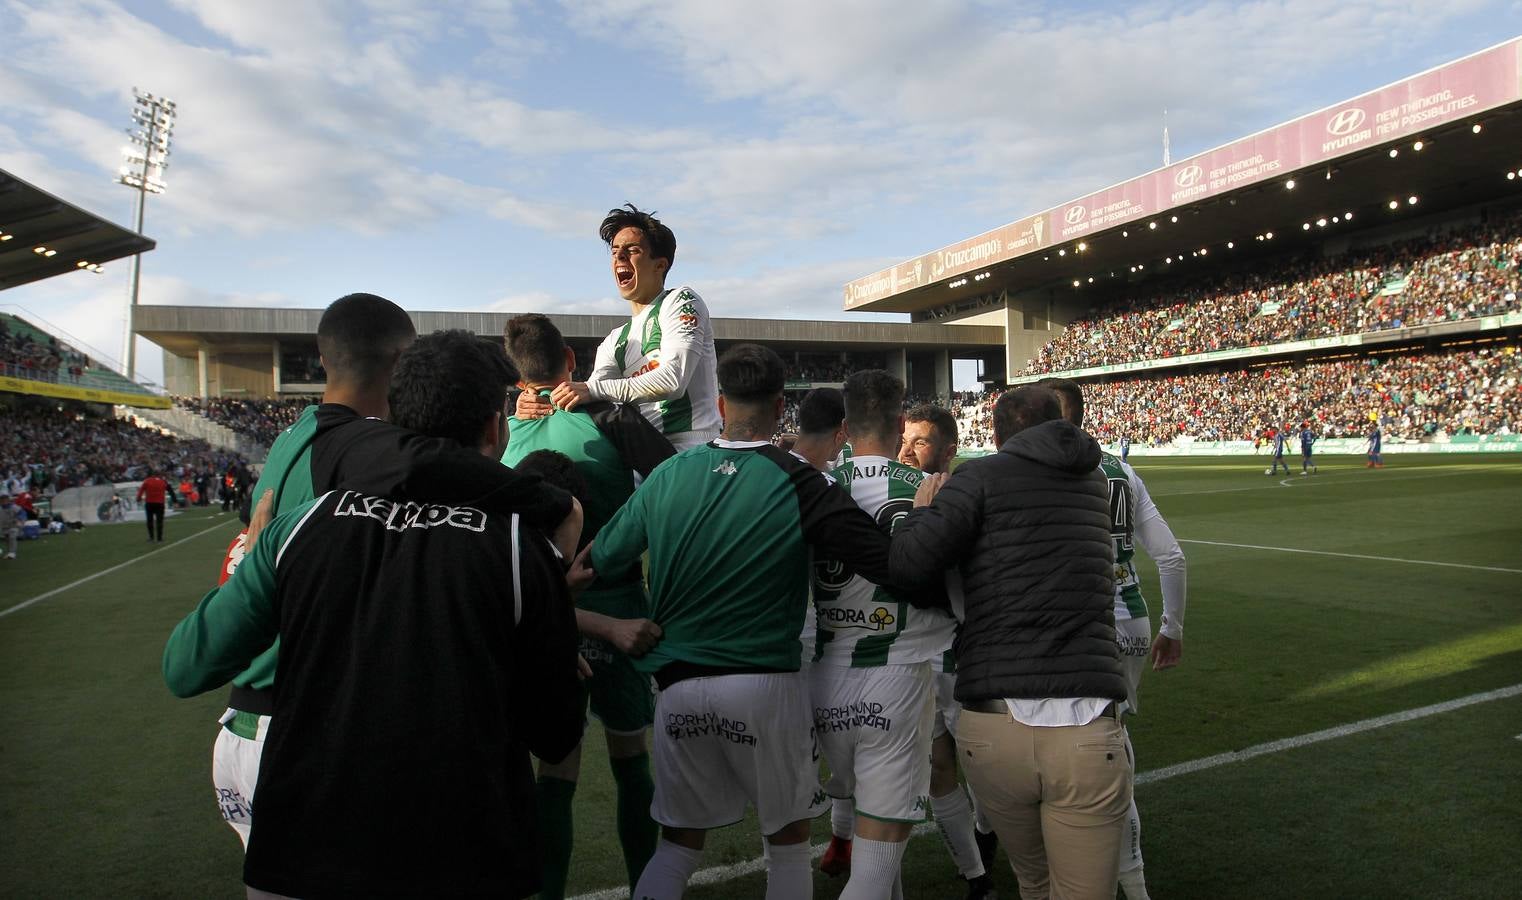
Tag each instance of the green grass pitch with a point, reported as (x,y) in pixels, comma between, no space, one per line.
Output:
(105,778)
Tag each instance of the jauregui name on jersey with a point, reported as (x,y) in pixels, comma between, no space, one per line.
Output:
(401,516)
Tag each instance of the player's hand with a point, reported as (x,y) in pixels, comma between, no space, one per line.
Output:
(1166,652)
(929,488)
(633,637)
(568,394)
(264,511)
(580,574)
(532,406)
(583,669)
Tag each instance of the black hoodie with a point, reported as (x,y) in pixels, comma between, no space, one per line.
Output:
(1029,529)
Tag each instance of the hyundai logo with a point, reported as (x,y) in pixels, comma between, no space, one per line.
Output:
(1188,176)
(1075,214)
(1346,122)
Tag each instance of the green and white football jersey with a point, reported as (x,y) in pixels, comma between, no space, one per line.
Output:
(663,359)
(860,624)
(1129,603)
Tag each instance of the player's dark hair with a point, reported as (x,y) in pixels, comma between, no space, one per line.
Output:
(449,384)
(821,411)
(360,336)
(874,400)
(1069,395)
(940,419)
(662,241)
(535,346)
(750,373)
(557,469)
(1023,407)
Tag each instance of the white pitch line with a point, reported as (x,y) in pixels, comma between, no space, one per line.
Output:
(1316,737)
(1334,478)
(119,566)
(1394,559)
(719,874)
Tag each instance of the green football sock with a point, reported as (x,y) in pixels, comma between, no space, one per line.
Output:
(637,832)
(555,834)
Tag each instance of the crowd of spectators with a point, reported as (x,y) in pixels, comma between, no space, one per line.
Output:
(1444,276)
(49,450)
(1412,396)
(23,356)
(260,420)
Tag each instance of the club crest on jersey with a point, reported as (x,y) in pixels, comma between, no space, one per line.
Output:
(727,467)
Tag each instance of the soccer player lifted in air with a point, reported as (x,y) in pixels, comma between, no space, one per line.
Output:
(1307,441)
(663,358)
(731,527)
(610,445)
(1135,519)
(871,680)
(930,444)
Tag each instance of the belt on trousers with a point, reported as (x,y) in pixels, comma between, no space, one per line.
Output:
(1001,708)
(244,724)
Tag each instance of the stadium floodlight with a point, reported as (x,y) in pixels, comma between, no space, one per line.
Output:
(1173,219)
(1133,269)
(1411,199)
(147,156)
(1204,250)
(1168,260)
(1075,282)
(1347,217)
(1418,146)
(1306,227)
(1289,185)
(1062,253)
(1268,235)
(1395,204)
(1321,223)
(1125,234)
(1336,219)
(1476,128)
(1231,245)
(1510,176)
(1152,225)
(1082,246)
(1091,279)
(1394,152)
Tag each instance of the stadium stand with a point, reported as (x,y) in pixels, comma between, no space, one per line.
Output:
(259,420)
(29,353)
(1413,395)
(1445,276)
(53,448)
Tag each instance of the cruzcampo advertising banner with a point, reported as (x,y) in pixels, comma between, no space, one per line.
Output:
(75,392)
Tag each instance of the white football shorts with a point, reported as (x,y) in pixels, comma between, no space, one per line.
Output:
(874,725)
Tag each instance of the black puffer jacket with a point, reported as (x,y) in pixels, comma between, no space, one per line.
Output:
(1029,528)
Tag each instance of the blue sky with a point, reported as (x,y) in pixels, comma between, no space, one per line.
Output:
(460,155)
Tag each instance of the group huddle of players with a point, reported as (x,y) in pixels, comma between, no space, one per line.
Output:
(734,597)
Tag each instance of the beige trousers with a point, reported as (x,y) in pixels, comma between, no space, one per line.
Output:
(1057,797)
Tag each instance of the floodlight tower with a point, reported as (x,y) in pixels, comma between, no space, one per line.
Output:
(147,156)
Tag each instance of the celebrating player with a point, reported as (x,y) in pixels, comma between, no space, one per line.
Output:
(359,338)
(730,527)
(1135,519)
(609,445)
(426,649)
(871,681)
(661,359)
(930,444)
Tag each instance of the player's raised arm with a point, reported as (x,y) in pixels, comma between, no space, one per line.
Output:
(685,339)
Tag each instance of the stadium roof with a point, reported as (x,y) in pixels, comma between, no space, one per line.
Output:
(69,237)
(183,330)
(1446,137)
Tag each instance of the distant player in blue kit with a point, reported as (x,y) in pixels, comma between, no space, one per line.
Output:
(1376,461)
(1307,440)
(1281,437)
(1125,448)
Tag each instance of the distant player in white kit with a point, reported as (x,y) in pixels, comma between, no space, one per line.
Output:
(1135,519)
(663,358)
(871,685)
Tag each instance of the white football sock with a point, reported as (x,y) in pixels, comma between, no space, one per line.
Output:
(953,816)
(790,872)
(665,876)
(842,817)
(874,869)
